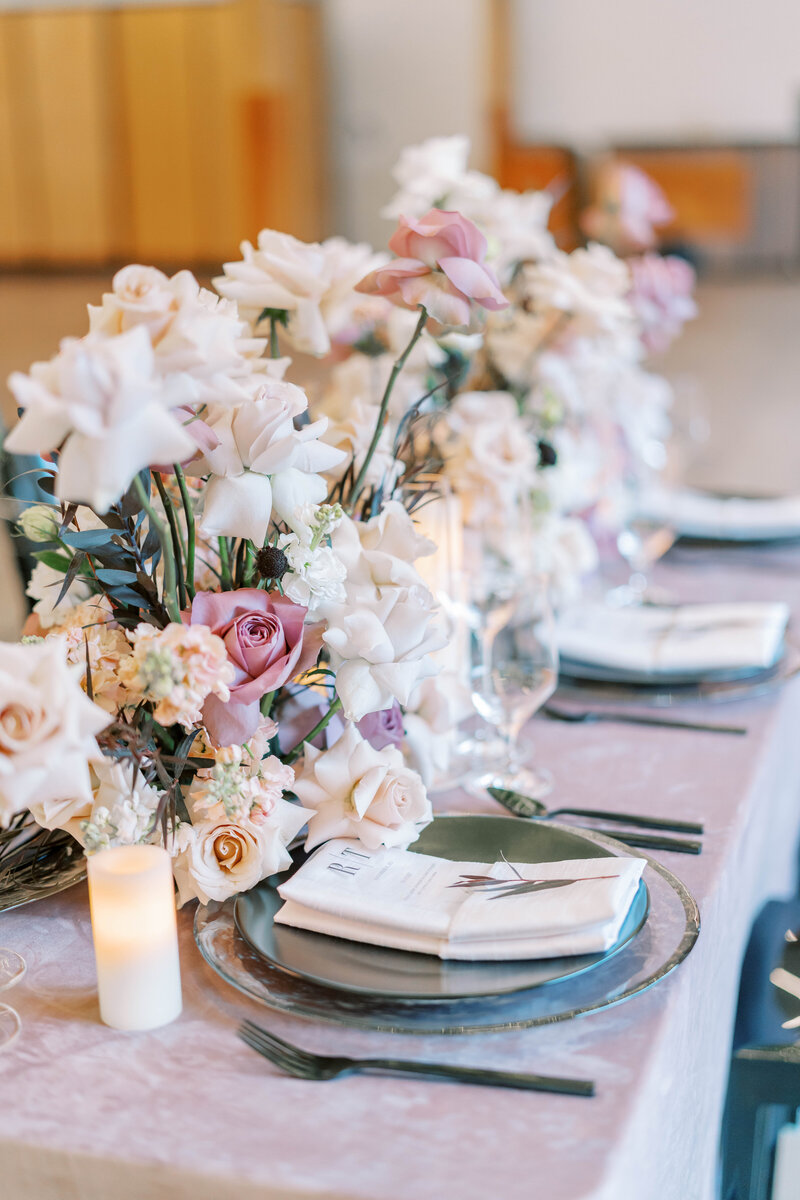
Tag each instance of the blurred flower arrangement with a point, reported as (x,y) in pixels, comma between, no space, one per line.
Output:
(230,639)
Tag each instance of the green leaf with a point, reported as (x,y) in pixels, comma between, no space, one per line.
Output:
(74,567)
(56,562)
(115,577)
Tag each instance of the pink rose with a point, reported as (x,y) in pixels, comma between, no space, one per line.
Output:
(440,266)
(628,207)
(267,644)
(662,298)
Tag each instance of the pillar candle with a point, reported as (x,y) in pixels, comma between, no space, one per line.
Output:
(132,902)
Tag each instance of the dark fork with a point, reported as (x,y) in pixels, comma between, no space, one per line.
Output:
(582,716)
(302,1064)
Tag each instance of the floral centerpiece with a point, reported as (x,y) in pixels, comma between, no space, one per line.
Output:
(228,619)
(231,641)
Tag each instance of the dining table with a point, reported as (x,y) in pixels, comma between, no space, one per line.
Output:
(188,1112)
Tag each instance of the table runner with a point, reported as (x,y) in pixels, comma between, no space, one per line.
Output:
(188,1111)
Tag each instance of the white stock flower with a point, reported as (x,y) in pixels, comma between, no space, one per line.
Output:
(44,586)
(102,404)
(123,811)
(315,576)
(357,791)
(262,460)
(215,859)
(47,735)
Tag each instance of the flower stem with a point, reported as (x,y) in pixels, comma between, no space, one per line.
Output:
(169,596)
(177,545)
(318,728)
(225,563)
(191,535)
(274,347)
(400,362)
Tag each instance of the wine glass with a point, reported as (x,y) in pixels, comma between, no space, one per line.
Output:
(514,672)
(643,539)
(12,968)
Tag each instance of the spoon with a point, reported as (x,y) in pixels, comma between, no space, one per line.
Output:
(526,806)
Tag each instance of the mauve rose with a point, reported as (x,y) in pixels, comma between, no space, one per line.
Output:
(439,265)
(267,644)
(384,728)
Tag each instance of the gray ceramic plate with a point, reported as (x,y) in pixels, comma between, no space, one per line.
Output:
(378,972)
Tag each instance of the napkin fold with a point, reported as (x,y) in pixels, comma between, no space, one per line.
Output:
(735,518)
(663,640)
(390,897)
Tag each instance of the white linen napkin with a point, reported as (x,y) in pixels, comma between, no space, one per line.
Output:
(734,518)
(390,897)
(689,638)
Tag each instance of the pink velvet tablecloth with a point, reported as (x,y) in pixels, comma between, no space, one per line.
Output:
(190,1112)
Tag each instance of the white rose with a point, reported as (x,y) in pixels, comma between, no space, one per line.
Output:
(216,859)
(47,735)
(139,296)
(192,331)
(281,273)
(434,711)
(258,444)
(101,398)
(435,173)
(591,285)
(356,791)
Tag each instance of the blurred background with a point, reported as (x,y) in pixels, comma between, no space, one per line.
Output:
(165,134)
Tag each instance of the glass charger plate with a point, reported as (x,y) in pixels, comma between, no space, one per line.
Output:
(384,974)
(663,694)
(668,935)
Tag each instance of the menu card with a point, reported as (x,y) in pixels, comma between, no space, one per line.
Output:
(390,897)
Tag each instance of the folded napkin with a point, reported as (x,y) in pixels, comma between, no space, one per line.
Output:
(689,638)
(734,518)
(390,897)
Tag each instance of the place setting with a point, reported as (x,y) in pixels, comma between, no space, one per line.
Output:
(330,702)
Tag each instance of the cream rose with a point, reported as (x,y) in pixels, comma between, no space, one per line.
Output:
(357,791)
(216,859)
(47,735)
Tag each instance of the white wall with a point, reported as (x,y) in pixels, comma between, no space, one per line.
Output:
(591,71)
(399,71)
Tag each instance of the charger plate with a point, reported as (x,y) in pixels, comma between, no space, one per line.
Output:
(382,973)
(667,936)
(660,692)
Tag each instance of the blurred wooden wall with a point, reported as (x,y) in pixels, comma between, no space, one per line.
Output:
(160,135)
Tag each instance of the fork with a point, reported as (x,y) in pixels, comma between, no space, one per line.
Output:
(580,716)
(302,1064)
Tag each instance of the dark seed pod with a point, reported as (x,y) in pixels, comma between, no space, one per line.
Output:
(271,563)
(547,454)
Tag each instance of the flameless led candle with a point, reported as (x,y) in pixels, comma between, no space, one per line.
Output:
(132,902)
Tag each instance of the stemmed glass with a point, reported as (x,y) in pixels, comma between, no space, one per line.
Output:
(642,541)
(514,672)
(12,968)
